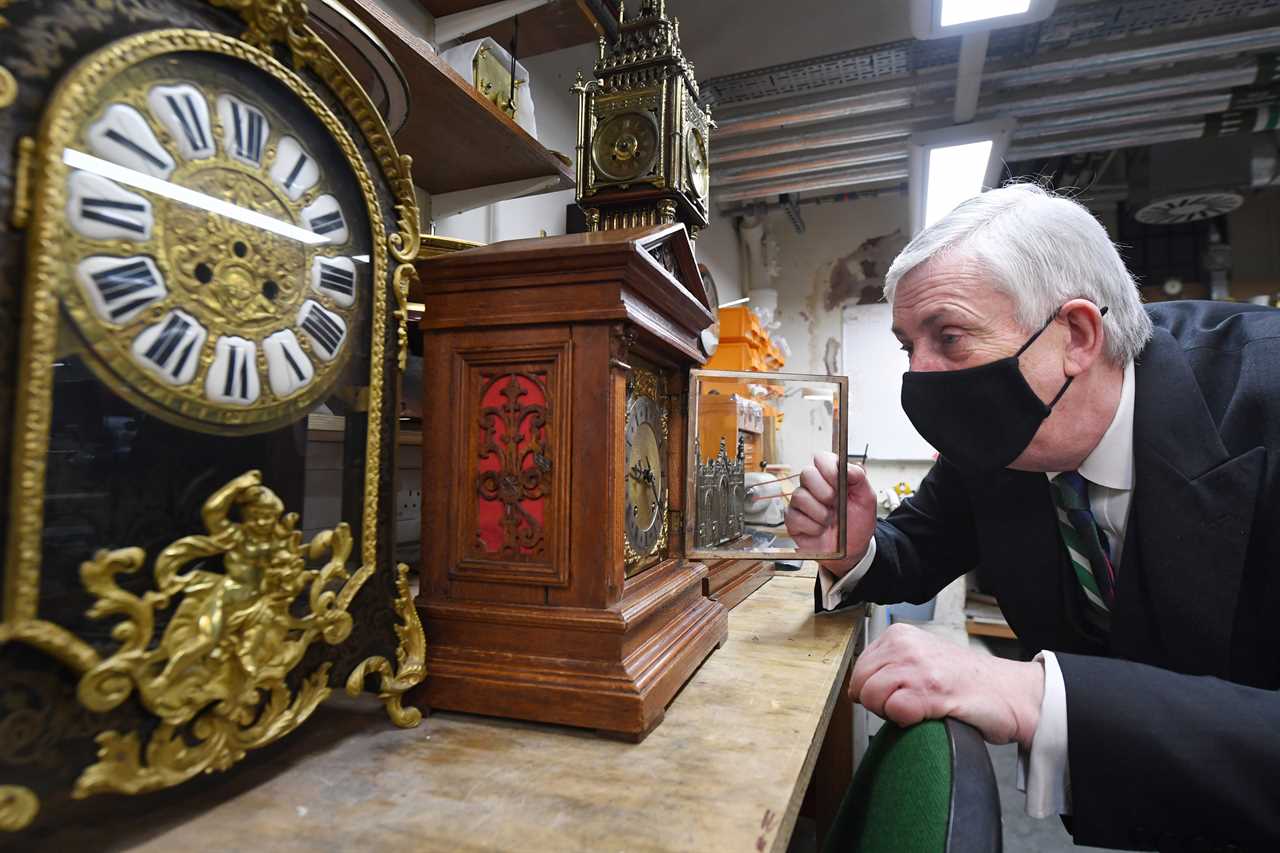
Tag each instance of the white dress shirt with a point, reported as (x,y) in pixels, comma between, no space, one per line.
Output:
(1043,771)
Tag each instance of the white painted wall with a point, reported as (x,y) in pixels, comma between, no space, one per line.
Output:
(717,247)
(556,110)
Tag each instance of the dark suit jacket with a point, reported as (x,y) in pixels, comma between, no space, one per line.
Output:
(1173,719)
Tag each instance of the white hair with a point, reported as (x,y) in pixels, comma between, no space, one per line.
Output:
(1042,250)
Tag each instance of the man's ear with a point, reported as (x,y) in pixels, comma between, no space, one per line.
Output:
(1085,336)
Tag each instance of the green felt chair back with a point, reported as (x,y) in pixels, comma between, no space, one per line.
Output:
(928,788)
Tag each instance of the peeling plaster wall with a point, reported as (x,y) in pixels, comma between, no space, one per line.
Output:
(840,259)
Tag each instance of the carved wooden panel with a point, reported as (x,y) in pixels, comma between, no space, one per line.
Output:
(514,465)
(511,484)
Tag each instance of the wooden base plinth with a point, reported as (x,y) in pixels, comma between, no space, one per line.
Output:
(612,670)
(731,581)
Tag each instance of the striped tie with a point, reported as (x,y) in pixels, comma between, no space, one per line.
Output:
(1086,543)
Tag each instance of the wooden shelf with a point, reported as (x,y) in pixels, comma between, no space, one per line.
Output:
(552,27)
(457,139)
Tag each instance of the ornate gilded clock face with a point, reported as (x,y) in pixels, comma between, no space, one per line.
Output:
(645,507)
(624,146)
(695,147)
(214,244)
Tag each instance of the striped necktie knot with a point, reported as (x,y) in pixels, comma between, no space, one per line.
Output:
(1086,543)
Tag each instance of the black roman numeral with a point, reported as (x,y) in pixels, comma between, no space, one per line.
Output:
(247,126)
(172,348)
(327,222)
(192,127)
(125,142)
(237,380)
(127,287)
(324,329)
(337,279)
(297,368)
(98,209)
(296,170)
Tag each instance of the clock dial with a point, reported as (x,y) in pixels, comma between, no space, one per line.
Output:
(625,146)
(695,148)
(645,504)
(216,264)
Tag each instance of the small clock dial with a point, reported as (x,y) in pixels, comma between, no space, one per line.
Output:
(645,504)
(217,245)
(695,147)
(625,146)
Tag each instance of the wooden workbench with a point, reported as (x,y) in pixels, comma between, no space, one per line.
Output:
(726,770)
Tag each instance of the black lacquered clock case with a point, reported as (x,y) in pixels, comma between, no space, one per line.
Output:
(206,233)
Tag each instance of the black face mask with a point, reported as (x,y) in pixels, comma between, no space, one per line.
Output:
(979,418)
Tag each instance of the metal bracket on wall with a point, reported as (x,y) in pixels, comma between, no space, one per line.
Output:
(788,202)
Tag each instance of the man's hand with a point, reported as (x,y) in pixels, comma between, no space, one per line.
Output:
(811,515)
(909,675)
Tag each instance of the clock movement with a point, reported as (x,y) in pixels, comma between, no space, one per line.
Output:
(642,134)
(209,237)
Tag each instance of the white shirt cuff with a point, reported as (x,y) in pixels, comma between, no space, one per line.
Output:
(833,588)
(1042,771)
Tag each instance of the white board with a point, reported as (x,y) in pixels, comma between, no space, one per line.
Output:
(874,362)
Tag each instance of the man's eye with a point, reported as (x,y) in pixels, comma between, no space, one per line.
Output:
(949,339)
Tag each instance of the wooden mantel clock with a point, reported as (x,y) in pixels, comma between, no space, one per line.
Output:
(555,585)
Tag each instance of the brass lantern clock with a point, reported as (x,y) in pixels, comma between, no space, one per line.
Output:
(209,242)
(642,134)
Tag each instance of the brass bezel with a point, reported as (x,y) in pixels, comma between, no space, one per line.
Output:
(113,367)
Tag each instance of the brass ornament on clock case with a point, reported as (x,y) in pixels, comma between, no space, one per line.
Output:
(8,87)
(216,676)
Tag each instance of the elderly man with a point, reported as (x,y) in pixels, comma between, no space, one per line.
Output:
(1113,474)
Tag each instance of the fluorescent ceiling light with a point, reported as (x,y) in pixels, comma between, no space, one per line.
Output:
(955,173)
(952,164)
(955,12)
(935,19)
(741,301)
(825,398)
(139,180)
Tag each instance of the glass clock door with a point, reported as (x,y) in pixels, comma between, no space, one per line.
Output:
(750,436)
